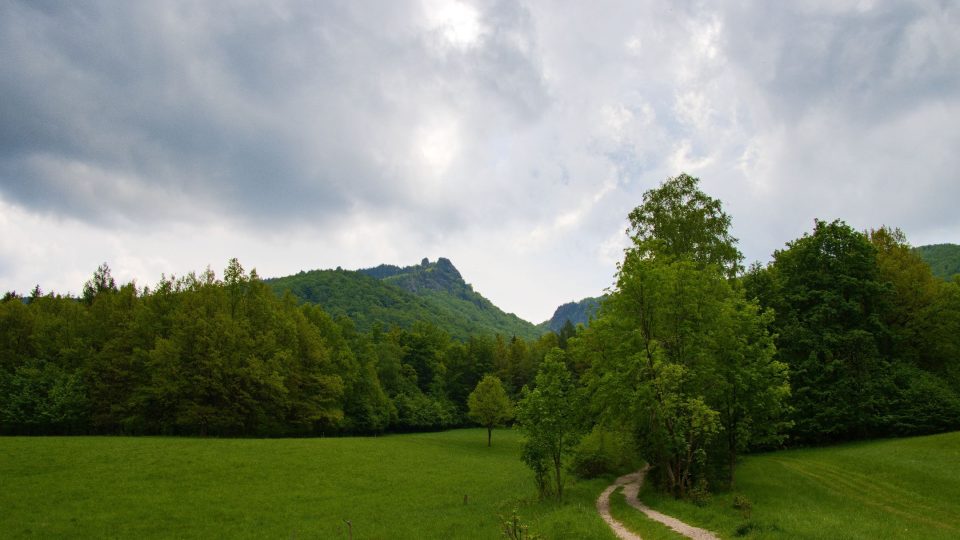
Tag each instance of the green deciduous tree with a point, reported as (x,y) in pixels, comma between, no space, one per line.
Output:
(829,306)
(548,417)
(489,405)
(678,356)
(101,282)
(678,220)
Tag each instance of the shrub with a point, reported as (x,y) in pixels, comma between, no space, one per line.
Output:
(700,493)
(743,504)
(514,529)
(603,452)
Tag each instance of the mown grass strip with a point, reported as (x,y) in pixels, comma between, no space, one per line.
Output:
(900,488)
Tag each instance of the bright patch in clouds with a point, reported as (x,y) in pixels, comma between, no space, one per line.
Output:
(458,22)
(437,144)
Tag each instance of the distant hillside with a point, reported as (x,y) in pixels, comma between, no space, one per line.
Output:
(944,259)
(391,295)
(575,312)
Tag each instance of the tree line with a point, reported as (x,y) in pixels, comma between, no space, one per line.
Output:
(199,355)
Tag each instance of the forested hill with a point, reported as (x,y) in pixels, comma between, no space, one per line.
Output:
(575,312)
(390,295)
(944,259)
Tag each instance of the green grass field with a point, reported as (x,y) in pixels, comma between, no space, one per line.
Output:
(402,486)
(900,488)
(413,486)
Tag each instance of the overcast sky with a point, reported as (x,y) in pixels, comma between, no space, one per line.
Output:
(510,137)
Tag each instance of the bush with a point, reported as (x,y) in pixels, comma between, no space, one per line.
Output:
(743,504)
(603,452)
(700,493)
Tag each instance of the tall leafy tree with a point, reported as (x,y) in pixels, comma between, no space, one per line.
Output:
(677,355)
(829,303)
(548,416)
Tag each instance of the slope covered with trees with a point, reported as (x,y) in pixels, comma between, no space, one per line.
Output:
(944,259)
(575,313)
(392,296)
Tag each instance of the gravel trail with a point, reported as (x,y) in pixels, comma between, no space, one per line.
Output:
(631,487)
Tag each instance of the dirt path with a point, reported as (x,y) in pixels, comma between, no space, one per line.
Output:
(631,487)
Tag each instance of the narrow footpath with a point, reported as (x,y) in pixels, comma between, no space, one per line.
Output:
(631,487)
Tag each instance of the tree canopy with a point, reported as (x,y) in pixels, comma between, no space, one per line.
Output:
(548,416)
(488,404)
(679,220)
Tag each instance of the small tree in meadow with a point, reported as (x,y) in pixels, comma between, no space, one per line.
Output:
(489,405)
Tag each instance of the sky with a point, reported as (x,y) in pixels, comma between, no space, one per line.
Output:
(513,138)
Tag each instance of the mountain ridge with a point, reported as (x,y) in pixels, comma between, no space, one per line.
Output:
(577,312)
(390,295)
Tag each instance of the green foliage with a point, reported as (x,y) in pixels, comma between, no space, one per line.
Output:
(863,325)
(201,356)
(101,282)
(604,452)
(548,417)
(489,405)
(743,504)
(830,328)
(678,220)
(41,398)
(514,529)
(678,356)
(944,259)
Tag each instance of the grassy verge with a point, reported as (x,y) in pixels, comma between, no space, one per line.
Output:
(405,486)
(901,488)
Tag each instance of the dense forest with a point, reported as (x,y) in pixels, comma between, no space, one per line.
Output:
(200,355)
(690,360)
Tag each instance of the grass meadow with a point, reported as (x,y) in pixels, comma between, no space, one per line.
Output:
(897,488)
(399,486)
(413,486)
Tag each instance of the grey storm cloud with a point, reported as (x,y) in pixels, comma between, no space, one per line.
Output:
(868,60)
(279,111)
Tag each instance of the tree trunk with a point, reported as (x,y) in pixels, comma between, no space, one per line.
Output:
(489,432)
(558,467)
